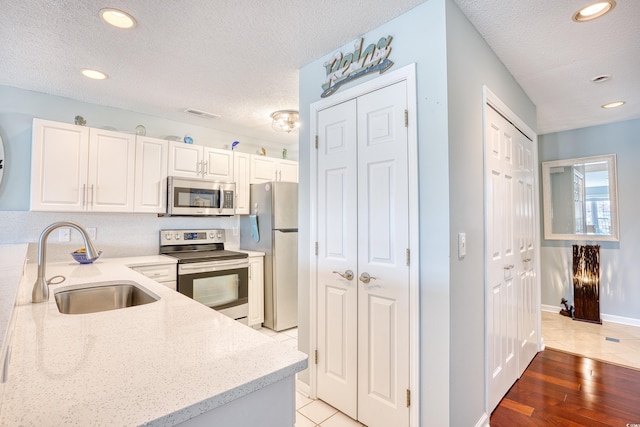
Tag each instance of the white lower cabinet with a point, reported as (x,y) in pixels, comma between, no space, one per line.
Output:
(256,291)
(165,274)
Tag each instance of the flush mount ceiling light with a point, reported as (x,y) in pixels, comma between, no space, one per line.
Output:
(94,74)
(285,120)
(594,10)
(613,104)
(118,18)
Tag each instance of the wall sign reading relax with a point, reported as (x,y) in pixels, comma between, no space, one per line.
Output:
(343,68)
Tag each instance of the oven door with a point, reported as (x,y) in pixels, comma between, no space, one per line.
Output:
(221,285)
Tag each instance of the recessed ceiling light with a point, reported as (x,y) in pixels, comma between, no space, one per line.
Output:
(594,10)
(600,79)
(94,74)
(118,18)
(613,104)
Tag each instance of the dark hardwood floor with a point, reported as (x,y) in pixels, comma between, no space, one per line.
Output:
(562,389)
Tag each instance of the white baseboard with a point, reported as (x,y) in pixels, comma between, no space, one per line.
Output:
(303,388)
(483,421)
(605,317)
(619,319)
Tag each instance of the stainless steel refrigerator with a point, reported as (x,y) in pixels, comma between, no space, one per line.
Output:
(272,228)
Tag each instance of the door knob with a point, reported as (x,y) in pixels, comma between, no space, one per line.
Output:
(346,275)
(365,278)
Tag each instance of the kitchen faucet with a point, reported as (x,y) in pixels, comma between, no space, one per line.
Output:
(40,291)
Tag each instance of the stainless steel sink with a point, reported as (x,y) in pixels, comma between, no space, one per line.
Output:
(102,296)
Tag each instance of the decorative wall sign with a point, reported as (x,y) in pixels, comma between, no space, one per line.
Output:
(342,69)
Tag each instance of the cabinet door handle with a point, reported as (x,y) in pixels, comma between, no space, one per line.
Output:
(84,195)
(205,168)
(92,194)
(346,275)
(199,167)
(509,267)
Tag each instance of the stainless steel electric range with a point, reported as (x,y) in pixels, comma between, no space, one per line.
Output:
(207,272)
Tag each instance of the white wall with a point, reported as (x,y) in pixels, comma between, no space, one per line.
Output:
(619,267)
(453,63)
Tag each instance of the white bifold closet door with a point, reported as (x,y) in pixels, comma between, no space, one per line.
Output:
(511,296)
(363,272)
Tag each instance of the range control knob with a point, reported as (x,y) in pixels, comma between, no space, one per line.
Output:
(167,236)
(177,236)
(219,234)
(211,235)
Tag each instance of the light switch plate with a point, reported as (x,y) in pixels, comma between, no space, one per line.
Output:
(462,245)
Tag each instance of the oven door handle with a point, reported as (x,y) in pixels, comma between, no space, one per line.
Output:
(201,267)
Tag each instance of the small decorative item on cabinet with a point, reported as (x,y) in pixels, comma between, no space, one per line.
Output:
(263,151)
(80,121)
(141,130)
(284,153)
(188,139)
(234,145)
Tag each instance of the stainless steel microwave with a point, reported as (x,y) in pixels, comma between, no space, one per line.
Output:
(199,197)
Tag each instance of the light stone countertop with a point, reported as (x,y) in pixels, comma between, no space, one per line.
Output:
(156,364)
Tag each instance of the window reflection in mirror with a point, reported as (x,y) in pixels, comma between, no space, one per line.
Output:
(580,199)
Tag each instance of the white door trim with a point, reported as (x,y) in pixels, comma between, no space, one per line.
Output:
(408,74)
(492,100)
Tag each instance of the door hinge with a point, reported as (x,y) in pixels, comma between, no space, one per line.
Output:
(315,357)
(316,142)
(316,246)
(406,118)
(408,257)
(408,398)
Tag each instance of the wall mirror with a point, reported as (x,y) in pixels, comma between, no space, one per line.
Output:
(581,199)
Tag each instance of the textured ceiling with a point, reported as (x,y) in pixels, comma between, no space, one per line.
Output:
(554,58)
(235,58)
(240,58)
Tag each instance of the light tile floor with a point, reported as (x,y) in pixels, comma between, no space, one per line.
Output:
(311,413)
(610,342)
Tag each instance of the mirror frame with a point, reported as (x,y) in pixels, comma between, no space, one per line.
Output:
(613,198)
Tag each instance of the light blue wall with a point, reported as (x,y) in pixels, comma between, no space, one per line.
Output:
(619,269)
(418,38)
(453,63)
(18,107)
(471,64)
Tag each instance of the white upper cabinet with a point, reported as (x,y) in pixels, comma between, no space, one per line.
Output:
(265,169)
(151,175)
(218,164)
(287,170)
(111,171)
(75,168)
(242,176)
(196,161)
